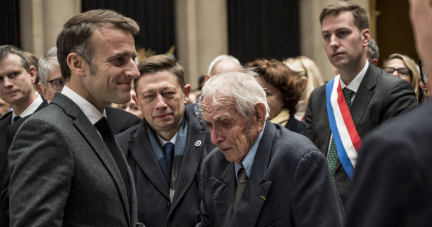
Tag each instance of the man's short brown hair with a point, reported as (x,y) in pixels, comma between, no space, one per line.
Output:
(75,36)
(159,63)
(361,17)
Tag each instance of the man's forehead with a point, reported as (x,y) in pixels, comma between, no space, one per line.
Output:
(221,107)
(340,20)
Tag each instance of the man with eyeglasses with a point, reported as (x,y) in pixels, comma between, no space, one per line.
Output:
(393,181)
(359,99)
(16,88)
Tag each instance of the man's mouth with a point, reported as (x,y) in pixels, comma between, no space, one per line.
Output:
(337,54)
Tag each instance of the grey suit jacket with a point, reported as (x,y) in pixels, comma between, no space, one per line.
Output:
(67,177)
(289,185)
(154,206)
(379,98)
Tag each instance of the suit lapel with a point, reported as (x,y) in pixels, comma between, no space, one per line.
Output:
(141,150)
(89,132)
(255,193)
(224,194)
(196,140)
(364,95)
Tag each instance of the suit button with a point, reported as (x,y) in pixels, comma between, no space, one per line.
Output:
(169,204)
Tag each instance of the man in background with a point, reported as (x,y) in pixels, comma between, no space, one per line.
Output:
(166,150)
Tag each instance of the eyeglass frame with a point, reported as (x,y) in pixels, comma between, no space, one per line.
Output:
(51,82)
(423,78)
(397,70)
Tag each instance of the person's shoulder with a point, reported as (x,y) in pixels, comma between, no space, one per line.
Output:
(6,116)
(291,143)
(318,92)
(127,134)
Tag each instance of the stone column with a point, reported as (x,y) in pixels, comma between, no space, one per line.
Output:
(42,20)
(201,33)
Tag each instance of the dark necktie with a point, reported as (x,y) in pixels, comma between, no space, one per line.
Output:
(108,137)
(15,119)
(332,156)
(168,149)
(241,184)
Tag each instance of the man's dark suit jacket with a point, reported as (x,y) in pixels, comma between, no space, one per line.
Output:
(118,119)
(7,132)
(153,194)
(379,98)
(190,108)
(67,177)
(393,179)
(289,185)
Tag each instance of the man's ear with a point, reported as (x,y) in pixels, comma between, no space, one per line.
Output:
(206,78)
(134,97)
(76,64)
(186,92)
(374,62)
(43,91)
(366,37)
(260,114)
(33,74)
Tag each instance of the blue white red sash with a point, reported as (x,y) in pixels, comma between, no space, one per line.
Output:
(342,126)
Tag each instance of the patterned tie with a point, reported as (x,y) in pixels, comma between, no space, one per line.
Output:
(332,156)
(168,149)
(108,137)
(241,184)
(15,119)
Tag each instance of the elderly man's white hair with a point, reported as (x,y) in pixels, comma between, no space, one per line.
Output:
(47,64)
(241,86)
(220,58)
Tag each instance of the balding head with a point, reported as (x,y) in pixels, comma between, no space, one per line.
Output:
(223,63)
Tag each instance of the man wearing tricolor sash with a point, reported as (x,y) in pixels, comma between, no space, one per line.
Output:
(361,97)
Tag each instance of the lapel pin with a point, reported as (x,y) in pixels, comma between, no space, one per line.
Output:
(263,197)
(197,143)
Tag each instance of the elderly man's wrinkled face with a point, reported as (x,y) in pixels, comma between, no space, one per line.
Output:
(232,133)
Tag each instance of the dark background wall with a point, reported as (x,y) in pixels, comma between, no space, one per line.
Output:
(9,22)
(394,30)
(155,18)
(263,29)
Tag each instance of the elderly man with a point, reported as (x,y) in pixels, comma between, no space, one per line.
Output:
(392,182)
(220,64)
(261,174)
(360,98)
(65,165)
(166,150)
(16,88)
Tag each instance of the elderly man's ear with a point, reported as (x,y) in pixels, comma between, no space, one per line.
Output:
(260,114)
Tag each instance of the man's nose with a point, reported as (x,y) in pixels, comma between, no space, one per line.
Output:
(132,70)
(395,73)
(161,104)
(334,41)
(7,82)
(216,136)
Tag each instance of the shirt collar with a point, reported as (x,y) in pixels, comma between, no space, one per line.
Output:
(91,112)
(249,159)
(30,109)
(355,83)
(163,142)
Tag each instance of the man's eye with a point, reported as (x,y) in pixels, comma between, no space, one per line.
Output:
(268,94)
(118,61)
(148,96)
(169,93)
(326,36)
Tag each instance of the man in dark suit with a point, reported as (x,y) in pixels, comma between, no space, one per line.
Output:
(375,96)
(261,174)
(393,182)
(65,167)
(50,82)
(166,150)
(16,88)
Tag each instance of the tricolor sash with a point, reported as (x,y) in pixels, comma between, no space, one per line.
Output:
(342,126)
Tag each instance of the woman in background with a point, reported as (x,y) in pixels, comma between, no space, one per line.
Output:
(404,67)
(283,92)
(306,71)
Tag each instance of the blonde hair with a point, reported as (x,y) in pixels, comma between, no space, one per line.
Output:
(409,63)
(303,67)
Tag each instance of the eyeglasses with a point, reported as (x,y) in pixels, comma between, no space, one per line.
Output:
(423,73)
(402,72)
(57,84)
